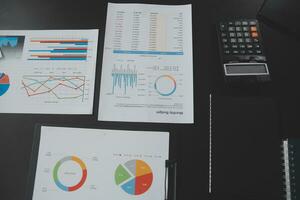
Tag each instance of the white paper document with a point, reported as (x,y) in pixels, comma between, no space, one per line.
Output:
(47,71)
(93,164)
(147,69)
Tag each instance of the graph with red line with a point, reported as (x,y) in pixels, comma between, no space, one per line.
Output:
(62,49)
(54,87)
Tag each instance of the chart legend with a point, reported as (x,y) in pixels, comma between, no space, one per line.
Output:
(134,177)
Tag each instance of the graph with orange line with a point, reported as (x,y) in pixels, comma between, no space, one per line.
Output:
(57,87)
(54,49)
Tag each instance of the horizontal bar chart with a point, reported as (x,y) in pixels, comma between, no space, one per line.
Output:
(59,49)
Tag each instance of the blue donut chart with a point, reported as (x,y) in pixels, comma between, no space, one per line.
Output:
(168,93)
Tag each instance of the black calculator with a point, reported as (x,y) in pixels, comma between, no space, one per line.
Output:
(242,54)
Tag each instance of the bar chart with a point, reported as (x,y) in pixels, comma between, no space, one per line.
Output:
(58,49)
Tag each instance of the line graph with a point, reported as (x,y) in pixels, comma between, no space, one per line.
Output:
(53,86)
(123,78)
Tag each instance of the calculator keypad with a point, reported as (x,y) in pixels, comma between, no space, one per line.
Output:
(240,38)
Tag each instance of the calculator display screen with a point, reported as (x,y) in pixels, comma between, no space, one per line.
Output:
(246,69)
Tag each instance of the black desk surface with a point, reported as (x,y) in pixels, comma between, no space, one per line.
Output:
(189,143)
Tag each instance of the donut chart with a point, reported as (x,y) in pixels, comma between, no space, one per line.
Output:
(134,177)
(58,165)
(165,85)
(4,83)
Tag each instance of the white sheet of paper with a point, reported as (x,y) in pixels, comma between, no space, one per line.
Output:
(147,69)
(93,164)
(48,71)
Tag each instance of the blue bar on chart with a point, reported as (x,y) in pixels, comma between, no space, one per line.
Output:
(59,49)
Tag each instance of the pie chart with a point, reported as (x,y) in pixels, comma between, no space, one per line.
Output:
(134,177)
(165,85)
(4,83)
(72,170)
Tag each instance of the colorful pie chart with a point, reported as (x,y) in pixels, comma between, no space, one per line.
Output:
(4,83)
(68,173)
(134,177)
